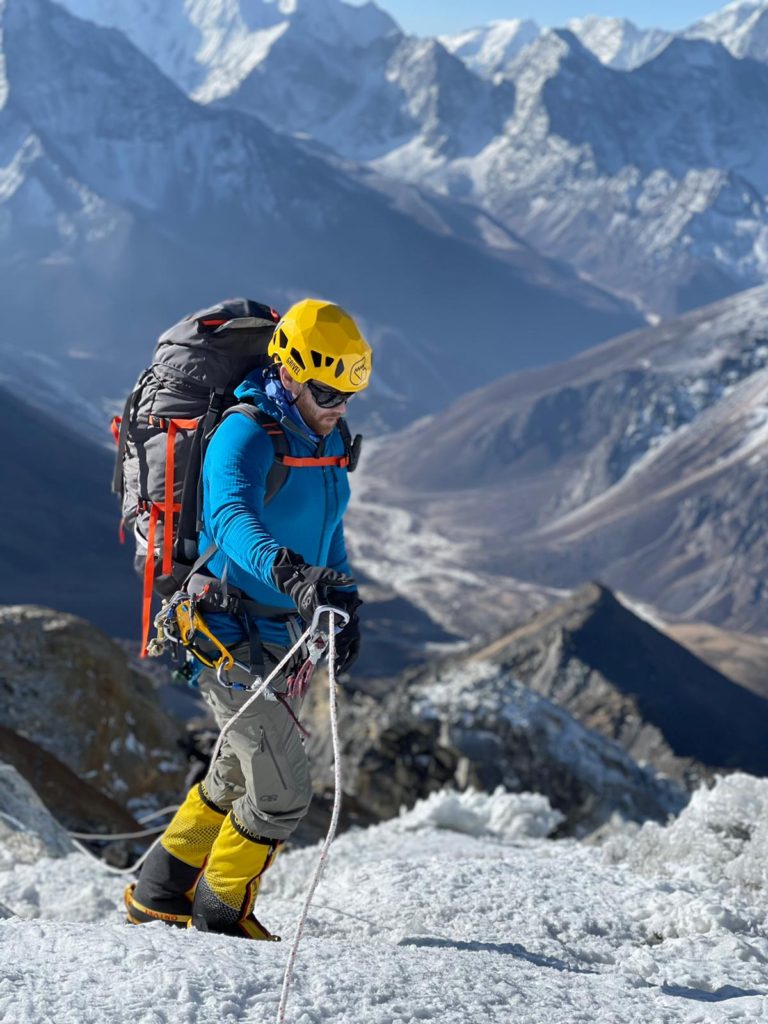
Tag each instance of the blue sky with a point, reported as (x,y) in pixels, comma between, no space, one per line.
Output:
(432,17)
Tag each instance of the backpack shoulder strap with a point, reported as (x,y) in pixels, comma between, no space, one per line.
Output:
(278,472)
(352,448)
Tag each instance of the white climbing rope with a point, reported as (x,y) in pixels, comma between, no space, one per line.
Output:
(331,829)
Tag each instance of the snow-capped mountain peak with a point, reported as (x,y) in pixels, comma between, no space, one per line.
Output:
(209,46)
(488,49)
(335,21)
(618,42)
(742,27)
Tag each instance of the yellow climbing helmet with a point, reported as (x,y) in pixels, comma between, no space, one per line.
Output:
(318,340)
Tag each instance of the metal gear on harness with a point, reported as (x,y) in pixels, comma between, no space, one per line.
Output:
(180,624)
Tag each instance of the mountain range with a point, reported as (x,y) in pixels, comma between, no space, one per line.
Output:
(639,463)
(632,155)
(126,204)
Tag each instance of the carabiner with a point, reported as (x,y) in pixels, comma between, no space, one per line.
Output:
(328,608)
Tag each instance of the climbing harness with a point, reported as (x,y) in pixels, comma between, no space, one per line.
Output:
(180,624)
(314,631)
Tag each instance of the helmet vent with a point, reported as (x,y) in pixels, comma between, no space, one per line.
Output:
(329,360)
(317,358)
(295,354)
(339,368)
(282,339)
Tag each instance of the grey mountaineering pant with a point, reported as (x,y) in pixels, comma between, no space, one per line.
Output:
(262,772)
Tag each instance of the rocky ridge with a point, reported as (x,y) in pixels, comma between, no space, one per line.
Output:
(474,725)
(620,676)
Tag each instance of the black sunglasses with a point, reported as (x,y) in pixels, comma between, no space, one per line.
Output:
(328,398)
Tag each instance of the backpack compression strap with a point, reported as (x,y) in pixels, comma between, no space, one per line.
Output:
(284,461)
(168,508)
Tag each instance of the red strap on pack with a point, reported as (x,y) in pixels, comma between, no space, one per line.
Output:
(168,509)
(325,460)
(114,426)
(149,579)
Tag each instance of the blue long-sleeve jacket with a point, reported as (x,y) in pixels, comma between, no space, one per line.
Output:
(306,515)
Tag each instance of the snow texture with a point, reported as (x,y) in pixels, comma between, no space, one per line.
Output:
(428,918)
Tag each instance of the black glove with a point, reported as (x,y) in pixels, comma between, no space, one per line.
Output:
(348,639)
(308,586)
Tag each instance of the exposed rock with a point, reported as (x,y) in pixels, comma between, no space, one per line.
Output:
(625,679)
(67,688)
(472,724)
(75,804)
(27,829)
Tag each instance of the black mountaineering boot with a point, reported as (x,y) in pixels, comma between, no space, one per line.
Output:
(227,890)
(166,885)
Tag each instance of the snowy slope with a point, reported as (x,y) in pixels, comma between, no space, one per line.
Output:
(618,42)
(489,48)
(741,26)
(453,913)
(208,46)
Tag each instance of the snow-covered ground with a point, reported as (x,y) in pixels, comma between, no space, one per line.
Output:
(458,912)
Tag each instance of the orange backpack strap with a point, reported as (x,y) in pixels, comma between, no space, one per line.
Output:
(284,461)
(317,460)
(168,508)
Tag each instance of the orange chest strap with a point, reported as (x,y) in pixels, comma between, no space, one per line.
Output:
(323,460)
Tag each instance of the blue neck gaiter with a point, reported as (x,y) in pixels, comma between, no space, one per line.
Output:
(282,398)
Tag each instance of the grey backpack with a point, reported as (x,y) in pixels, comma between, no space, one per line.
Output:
(168,420)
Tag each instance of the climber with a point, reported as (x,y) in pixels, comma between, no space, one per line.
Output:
(206,869)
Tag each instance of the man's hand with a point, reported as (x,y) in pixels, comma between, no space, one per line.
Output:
(348,640)
(310,586)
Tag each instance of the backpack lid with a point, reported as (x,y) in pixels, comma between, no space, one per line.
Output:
(217,347)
